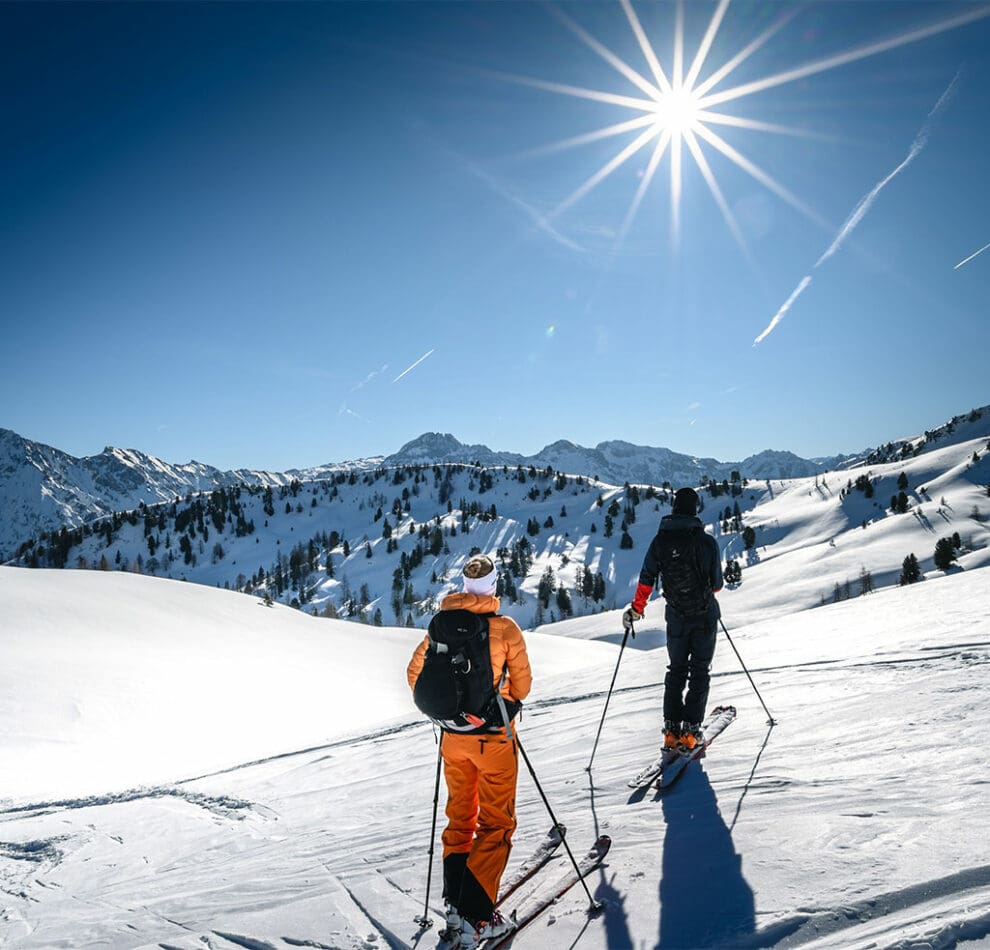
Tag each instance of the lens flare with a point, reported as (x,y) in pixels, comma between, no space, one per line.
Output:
(675,109)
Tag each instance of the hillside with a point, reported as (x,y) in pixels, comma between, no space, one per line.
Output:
(42,488)
(184,768)
(384,545)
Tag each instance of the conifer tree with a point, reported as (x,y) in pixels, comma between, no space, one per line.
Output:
(865,581)
(547,585)
(598,593)
(910,570)
(945,554)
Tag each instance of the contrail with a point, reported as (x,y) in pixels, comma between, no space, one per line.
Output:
(971,256)
(865,203)
(779,315)
(344,411)
(367,379)
(539,220)
(409,369)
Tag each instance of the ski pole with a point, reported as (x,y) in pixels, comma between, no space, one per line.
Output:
(770,720)
(594,748)
(595,906)
(425,921)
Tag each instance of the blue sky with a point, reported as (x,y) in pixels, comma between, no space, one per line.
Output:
(273,236)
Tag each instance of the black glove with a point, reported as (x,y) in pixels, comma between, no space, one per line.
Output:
(630,616)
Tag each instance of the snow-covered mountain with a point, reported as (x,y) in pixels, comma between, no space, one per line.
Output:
(615,462)
(42,488)
(384,545)
(186,767)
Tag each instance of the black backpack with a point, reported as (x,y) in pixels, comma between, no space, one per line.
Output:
(685,583)
(456,686)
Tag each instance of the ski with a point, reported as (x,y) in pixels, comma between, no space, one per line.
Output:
(541,855)
(648,773)
(720,718)
(537,904)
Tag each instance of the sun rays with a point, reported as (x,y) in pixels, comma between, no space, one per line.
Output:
(676,109)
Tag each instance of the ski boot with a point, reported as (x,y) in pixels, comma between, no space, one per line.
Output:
(691,736)
(450,936)
(472,936)
(671,734)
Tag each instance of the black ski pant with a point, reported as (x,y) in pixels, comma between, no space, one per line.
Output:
(691,647)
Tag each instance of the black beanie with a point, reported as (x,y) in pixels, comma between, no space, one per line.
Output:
(686,502)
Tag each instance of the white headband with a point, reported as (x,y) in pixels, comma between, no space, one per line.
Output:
(481,585)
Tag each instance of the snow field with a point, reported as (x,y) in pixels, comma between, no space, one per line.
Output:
(816,833)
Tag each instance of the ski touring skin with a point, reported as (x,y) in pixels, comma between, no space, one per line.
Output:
(676,759)
(717,722)
(541,855)
(546,897)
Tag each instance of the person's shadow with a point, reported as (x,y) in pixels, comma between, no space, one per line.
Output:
(704,898)
(616,914)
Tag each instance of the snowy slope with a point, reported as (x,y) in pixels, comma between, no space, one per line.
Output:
(182,660)
(312,829)
(830,534)
(43,488)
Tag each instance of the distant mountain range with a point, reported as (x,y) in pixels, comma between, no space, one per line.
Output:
(382,540)
(42,487)
(616,462)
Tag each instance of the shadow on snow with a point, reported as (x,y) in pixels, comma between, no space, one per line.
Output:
(704,898)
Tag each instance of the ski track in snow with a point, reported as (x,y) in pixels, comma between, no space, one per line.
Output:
(222,805)
(229,807)
(819,926)
(822,928)
(810,836)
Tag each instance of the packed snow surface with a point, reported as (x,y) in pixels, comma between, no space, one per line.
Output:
(184,767)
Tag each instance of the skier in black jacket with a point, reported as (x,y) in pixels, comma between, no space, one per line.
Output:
(686,562)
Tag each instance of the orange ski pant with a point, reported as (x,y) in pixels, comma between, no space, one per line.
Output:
(481,773)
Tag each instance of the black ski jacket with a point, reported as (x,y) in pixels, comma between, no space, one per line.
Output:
(711,563)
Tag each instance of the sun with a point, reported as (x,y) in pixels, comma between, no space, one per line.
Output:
(675,108)
(678,111)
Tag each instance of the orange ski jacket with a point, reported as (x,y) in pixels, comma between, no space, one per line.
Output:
(505,641)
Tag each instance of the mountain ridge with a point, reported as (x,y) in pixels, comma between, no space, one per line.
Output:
(391,541)
(44,488)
